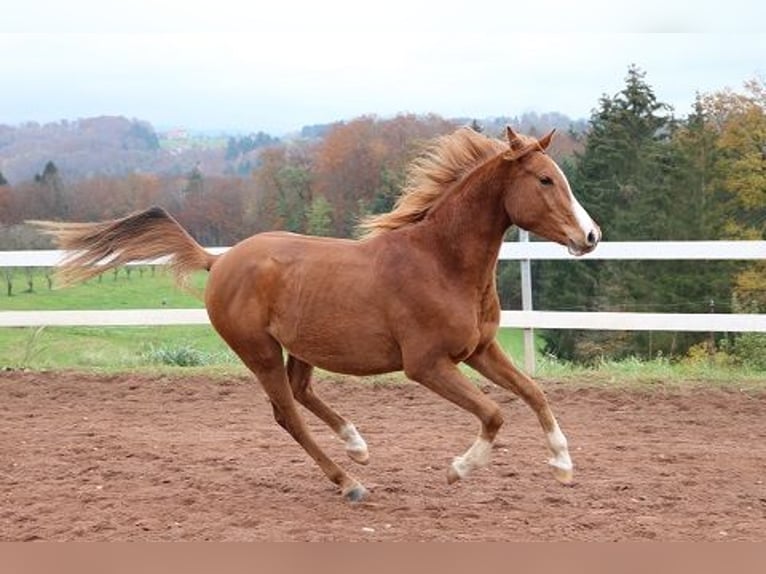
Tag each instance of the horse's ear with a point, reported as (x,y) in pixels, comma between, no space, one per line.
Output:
(545,141)
(513,139)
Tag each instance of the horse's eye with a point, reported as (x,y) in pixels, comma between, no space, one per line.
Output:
(545,180)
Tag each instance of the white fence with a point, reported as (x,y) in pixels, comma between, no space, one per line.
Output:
(526,319)
(637,250)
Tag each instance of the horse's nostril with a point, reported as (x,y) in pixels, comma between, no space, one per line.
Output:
(591,239)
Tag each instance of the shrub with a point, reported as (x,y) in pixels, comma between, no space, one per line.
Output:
(179,356)
(750,350)
(700,354)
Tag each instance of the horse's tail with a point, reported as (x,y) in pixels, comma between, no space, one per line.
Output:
(140,236)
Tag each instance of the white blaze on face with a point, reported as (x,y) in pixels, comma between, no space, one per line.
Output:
(584,220)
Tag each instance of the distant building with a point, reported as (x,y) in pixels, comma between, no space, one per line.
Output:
(177,134)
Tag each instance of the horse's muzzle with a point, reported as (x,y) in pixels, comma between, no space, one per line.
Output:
(587,244)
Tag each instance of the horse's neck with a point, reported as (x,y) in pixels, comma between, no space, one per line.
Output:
(468,226)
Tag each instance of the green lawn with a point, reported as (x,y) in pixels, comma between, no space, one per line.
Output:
(142,289)
(179,349)
(123,347)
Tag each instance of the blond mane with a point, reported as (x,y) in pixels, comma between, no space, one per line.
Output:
(445,162)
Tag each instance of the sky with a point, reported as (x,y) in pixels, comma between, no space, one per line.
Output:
(278,65)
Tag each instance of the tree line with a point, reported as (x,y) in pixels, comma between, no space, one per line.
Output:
(642,173)
(646,175)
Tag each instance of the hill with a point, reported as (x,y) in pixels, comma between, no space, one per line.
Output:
(105,145)
(117,146)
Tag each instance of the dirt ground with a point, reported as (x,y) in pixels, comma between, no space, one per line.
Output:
(88,457)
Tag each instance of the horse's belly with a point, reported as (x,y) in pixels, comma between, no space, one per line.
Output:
(348,353)
(357,366)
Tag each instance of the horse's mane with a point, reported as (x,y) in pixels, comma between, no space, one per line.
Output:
(445,162)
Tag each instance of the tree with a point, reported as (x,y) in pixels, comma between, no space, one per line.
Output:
(195,182)
(53,186)
(347,169)
(740,178)
(695,152)
(360,166)
(627,177)
(319,217)
(294,197)
(142,133)
(236,147)
(284,188)
(742,159)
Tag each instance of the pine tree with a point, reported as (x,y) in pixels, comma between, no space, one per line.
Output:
(624,177)
(319,217)
(294,200)
(55,200)
(195,182)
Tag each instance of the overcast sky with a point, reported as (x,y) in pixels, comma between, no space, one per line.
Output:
(281,64)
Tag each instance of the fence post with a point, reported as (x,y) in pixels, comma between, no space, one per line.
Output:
(526,305)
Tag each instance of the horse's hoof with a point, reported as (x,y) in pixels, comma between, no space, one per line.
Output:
(452,474)
(356,493)
(563,475)
(359,456)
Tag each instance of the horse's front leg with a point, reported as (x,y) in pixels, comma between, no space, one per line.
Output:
(492,362)
(446,380)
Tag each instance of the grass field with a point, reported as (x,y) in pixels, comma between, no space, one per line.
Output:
(188,348)
(124,347)
(142,289)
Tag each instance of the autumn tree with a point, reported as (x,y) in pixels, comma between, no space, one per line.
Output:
(284,190)
(742,146)
(347,169)
(360,165)
(101,197)
(740,177)
(404,138)
(215,216)
(357,168)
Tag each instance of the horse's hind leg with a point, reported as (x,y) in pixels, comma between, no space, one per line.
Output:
(299,374)
(264,358)
(493,364)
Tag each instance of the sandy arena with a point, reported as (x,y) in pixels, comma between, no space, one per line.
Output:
(89,457)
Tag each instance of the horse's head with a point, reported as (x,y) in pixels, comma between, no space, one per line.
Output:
(540,200)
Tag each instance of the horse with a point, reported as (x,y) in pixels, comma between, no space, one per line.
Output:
(414,292)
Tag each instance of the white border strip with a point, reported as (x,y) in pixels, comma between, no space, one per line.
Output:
(717,322)
(644,250)
(512,251)
(118,317)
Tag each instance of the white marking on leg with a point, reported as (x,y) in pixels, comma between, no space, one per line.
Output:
(356,446)
(557,443)
(475,457)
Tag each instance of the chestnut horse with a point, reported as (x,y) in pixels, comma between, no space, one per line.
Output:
(416,293)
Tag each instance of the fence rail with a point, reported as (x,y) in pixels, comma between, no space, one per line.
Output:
(720,322)
(511,251)
(640,250)
(525,319)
